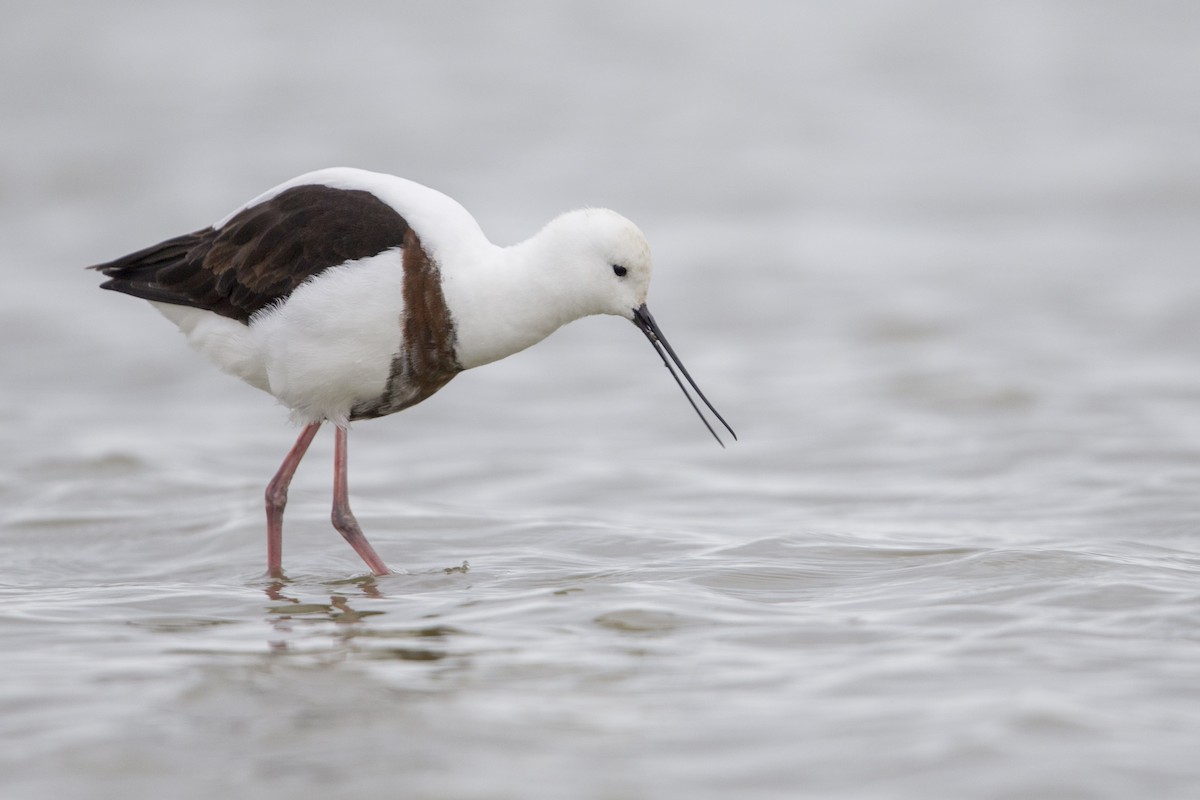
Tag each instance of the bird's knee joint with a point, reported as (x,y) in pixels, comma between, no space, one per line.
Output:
(276,498)
(343,518)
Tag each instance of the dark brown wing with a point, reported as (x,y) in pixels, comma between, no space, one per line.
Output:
(263,253)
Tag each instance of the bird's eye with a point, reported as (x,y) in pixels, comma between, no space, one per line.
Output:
(619,271)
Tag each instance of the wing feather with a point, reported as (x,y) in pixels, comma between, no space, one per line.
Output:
(262,253)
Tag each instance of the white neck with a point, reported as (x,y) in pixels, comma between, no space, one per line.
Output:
(506,299)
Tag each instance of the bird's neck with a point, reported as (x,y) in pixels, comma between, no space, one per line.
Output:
(508,299)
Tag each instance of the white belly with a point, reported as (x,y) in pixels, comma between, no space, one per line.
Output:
(328,347)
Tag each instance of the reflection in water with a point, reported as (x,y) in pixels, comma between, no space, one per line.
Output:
(289,615)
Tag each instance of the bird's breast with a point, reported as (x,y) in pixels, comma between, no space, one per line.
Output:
(427,359)
(360,340)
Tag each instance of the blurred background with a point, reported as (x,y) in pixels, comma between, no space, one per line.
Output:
(935,262)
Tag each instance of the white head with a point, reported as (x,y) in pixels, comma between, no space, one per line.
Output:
(598,262)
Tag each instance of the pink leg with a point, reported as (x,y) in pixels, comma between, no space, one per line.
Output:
(277,491)
(343,517)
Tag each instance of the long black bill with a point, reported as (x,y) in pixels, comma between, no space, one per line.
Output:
(646,323)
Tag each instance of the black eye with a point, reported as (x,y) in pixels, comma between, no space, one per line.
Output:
(619,271)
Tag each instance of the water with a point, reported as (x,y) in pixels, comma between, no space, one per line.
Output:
(936,264)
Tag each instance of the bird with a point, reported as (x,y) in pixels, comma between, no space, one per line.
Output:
(349,294)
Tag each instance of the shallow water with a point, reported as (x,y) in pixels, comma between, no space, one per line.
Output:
(936,265)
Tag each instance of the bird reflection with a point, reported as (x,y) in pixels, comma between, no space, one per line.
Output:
(287,614)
